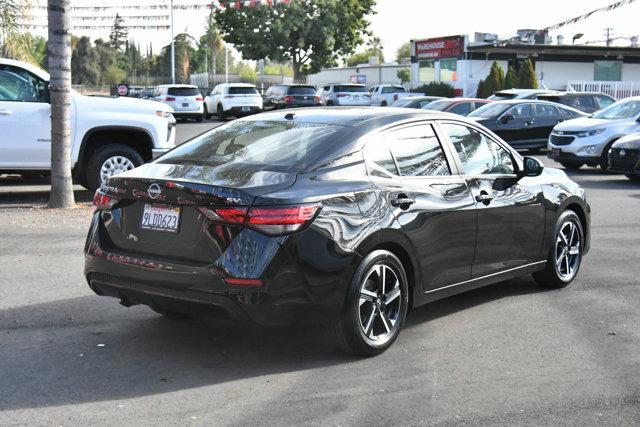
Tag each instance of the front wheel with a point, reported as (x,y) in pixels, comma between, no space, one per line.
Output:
(110,160)
(565,254)
(376,306)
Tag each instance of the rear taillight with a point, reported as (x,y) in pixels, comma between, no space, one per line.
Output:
(103,201)
(199,98)
(395,97)
(272,220)
(170,99)
(288,99)
(317,98)
(340,95)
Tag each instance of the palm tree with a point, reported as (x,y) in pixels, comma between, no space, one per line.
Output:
(14,43)
(59,54)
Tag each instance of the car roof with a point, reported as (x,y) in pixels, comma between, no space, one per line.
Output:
(560,94)
(179,85)
(35,70)
(524,91)
(461,99)
(348,116)
(239,84)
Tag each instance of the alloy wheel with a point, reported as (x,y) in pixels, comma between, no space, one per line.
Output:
(568,251)
(380,303)
(114,166)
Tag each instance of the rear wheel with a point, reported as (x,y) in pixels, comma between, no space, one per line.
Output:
(206,112)
(200,118)
(376,306)
(565,254)
(571,165)
(383,104)
(329,103)
(110,160)
(221,113)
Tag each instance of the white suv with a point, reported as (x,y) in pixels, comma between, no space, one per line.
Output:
(345,94)
(108,135)
(185,100)
(233,99)
(587,140)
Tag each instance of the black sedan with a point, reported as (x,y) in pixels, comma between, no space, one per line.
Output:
(624,156)
(524,124)
(345,216)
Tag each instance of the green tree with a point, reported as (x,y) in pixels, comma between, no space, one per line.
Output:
(481,92)
(527,75)
(404,74)
(511,80)
(494,81)
(247,73)
(113,75)
(403,52)
(275,68)
(14,43)
(85,67)
(437,89)
(118,36)
(310,34)
(363,57)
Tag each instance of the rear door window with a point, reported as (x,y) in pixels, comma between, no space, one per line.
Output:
(378,156)
(183,91)
(462,108)
(418,152)
(546,111)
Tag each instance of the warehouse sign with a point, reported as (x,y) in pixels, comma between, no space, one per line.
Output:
(439,48)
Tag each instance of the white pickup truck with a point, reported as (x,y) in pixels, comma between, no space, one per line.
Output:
(384,95)
(108,135)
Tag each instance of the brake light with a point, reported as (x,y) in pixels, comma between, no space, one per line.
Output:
(288,99)
(395,97)
(103,201)
(272,220)
(198,98)
(170,99)
(242,282)
(317,98)
(340,95)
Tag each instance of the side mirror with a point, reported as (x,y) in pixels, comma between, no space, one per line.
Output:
(531,167)
(506,118)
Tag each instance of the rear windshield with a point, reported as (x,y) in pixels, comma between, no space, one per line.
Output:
(350,88)
(619,110)
(302,90)
(183,91)
(276,145)
(440,105)
(488,111)
(242,90)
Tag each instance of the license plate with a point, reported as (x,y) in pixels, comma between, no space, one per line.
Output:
(555,151)
(185,104)
(246,108)
(160,218)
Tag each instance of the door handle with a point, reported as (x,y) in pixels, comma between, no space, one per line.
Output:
(403,202)
(5,112)
(528,123)
(484,197)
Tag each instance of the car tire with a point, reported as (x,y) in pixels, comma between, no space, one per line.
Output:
(369,309)
(571,165)
(221,114)
(565,254)
(604,158)
(383,104)
(200,118)
(329,103)
(170,314)
(110,160)
(205,113)
(633,177)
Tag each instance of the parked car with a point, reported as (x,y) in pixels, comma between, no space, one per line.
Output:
(384,95)
(345,94)
(233,99)
(339,216)
(415,101)
(108,135)
(185,100)
(524,124)
(589,102)
(624,156)
(587,140)
(291,96)
(460,106)
(506,94)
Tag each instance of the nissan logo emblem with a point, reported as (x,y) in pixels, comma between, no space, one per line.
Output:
(154,191)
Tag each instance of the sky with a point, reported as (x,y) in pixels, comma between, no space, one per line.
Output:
(398,21)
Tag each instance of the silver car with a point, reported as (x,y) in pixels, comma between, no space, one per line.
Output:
(346,94)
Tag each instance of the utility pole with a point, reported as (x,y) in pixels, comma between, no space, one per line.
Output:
(173,48)
(609,35)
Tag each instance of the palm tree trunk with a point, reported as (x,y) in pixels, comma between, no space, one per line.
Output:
(59,55)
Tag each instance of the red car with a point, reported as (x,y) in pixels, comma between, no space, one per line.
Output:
(460,106)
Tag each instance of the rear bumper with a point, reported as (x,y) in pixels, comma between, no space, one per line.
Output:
(187,114)
(238,111)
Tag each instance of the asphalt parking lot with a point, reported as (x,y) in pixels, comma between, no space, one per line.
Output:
(511,353)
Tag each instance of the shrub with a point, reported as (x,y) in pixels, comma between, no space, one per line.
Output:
(436,89)
(527,75)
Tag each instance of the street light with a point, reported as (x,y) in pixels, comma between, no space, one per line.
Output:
(576,37)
